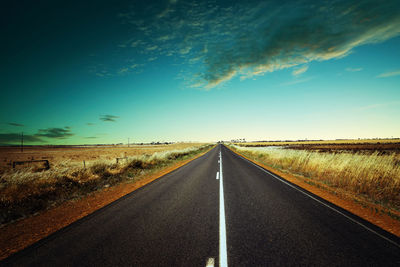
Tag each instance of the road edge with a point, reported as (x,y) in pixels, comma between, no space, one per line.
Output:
(24,233)
(380,220)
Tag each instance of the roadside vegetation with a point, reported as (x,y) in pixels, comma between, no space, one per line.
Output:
(339,142)
(367,174)
(26,191)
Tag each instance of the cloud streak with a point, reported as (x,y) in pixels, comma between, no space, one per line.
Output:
(297,81)
(58,133)
(108,118)
(48,133)
(300,70)
(354,69)
(389,74)
(15,124)
(249,39)
(379,105)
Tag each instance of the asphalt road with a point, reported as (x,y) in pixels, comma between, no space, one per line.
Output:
(180,220)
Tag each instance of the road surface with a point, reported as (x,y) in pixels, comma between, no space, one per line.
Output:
(218,210)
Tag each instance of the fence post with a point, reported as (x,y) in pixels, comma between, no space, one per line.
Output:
(47,164)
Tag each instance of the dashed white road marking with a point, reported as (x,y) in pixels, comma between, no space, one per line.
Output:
(223,258)
(217,176)
(210,262)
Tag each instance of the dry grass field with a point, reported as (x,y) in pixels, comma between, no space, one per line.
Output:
(322,142)
(76,155)
(30,188)
(365,146)
(370,171)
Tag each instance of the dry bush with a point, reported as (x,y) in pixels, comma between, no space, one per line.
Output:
(374,176)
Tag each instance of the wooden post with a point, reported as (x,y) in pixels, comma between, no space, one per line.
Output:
(22,142)
(84,164)
(47,164)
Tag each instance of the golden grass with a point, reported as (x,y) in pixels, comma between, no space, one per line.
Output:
(373,176)
(26,191)
(321,142)
(76,155)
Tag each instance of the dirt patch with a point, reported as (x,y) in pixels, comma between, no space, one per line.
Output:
(370,212)
(23,233)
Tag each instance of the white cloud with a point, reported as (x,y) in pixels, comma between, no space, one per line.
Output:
(300,70)
(379,105)
(297,81)
(389,74)
(354,69)
(123,70)
(152,48)
(185,50)
(136,43)
(165,38)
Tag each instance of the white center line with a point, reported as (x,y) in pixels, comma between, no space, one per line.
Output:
(217,176)
(223,259)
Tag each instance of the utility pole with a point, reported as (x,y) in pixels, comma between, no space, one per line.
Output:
(22,142)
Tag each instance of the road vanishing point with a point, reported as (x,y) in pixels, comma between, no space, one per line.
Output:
(218,210)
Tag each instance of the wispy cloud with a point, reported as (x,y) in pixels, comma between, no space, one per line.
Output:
(48,133)
(248,39)
(297,81)
(389,74)
(59,133)
(100,70)
(378,105)
(15,124)
(90,124)
(111,118)
(123,70)
(354,69)
(137,43)
(300,70)
(103,71)
(152,48)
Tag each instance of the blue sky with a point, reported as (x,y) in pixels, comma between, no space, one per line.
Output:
(103,71)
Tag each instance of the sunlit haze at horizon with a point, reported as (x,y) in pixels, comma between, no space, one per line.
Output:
(100,72)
